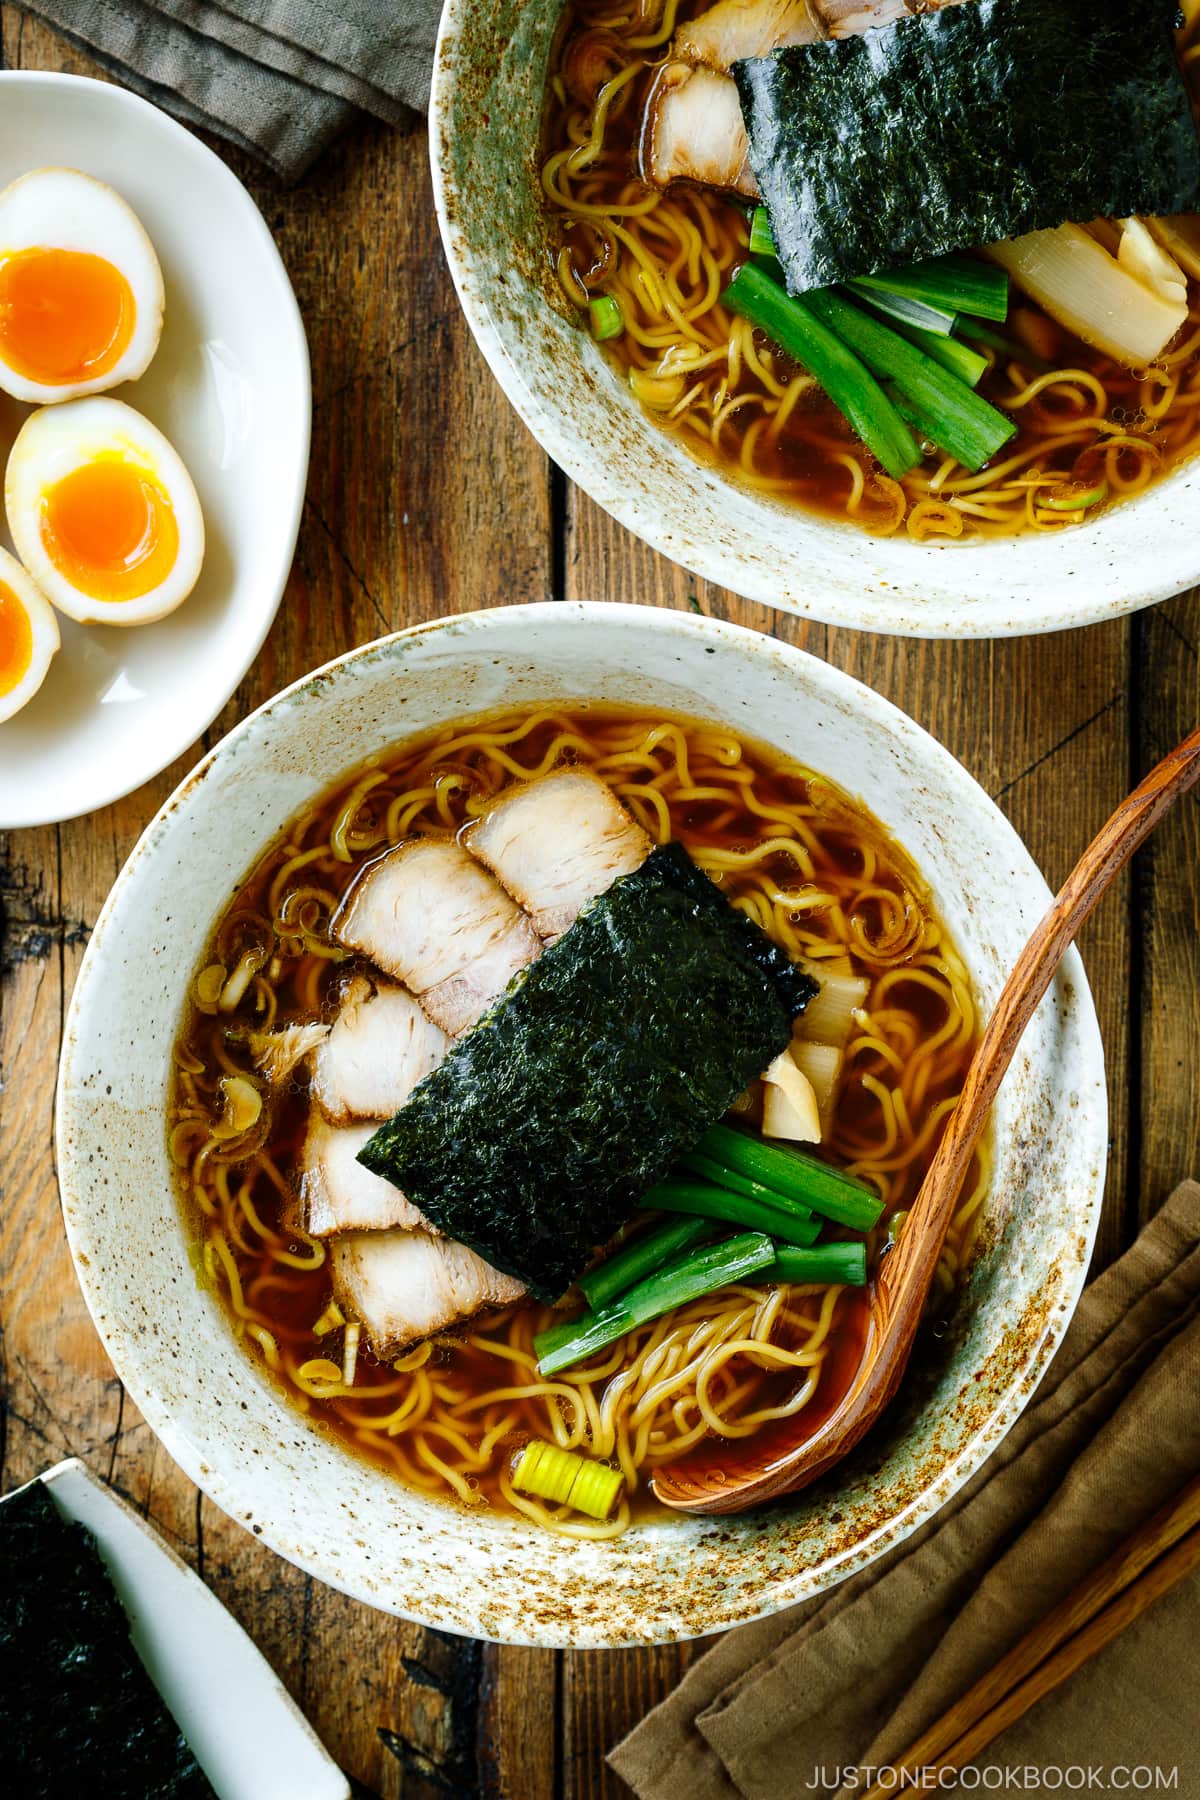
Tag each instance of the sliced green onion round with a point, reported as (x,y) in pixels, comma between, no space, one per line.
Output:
(605,318)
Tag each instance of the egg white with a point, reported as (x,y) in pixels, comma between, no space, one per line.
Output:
(44,631)
(61,209)
(55,441)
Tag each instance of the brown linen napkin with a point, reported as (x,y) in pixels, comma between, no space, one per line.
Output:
(792,1706)
(281,78)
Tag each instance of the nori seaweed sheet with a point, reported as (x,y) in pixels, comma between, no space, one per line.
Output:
(952,129)
(604,1061)
(80,1714)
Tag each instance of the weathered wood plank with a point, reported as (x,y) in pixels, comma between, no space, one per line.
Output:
(1164,1072)
(1043,725)
(393,533)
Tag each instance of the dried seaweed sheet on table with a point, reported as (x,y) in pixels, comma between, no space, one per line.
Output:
(609,1056)
(80,1714)
(955,128)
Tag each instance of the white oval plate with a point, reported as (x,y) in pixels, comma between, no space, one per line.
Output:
(245,1731)
(230,387)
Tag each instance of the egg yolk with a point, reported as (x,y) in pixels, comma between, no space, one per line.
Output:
(110,529)
(16,640)
(65,315)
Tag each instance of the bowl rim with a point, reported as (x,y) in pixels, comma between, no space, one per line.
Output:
(877,604)
(134,1365)
(290,322)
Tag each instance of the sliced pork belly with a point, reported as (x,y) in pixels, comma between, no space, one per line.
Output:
(381,1045)
(428,914)
(692,126)
(734,29)
(850,18)
(557,843)
(338,1194)
(692,130)
(404,1285)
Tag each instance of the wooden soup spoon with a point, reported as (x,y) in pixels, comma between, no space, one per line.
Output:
(794,1451)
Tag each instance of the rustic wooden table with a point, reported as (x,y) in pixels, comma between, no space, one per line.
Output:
(427,496)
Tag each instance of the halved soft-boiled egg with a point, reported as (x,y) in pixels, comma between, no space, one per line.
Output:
(28,637)
(81,292)
(103,513)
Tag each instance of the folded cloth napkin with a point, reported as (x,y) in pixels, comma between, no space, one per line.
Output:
(281,78)
(801,1704)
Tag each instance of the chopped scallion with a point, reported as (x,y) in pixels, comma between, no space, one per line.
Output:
(605,318)
(976,333)
(686,1278)
(969,365)
(827,1190)
(711,1171)
(640,1257)
(906,311)
(1068,503)
(793,325)
(954,283)
(948,411)
(762,238)
(778,1216)
(837,1265)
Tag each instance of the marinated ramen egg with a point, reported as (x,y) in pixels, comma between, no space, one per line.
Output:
(103,513)
(81,292)
(28,637)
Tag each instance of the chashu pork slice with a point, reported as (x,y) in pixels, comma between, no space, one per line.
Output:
(692,130)
(692,127)
(851,18)
(733,29)
(381,1045)
(404,1285)
(557,843)
(430,915)
(338,1194)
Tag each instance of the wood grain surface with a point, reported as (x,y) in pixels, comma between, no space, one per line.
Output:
(428,496)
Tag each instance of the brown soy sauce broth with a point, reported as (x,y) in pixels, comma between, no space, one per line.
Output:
(815,461)
(875,914)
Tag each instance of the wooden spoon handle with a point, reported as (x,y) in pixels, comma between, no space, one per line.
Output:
(897,1297)
(916,1255)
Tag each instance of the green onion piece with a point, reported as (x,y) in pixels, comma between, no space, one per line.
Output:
(969,365)
(1076,502)
(762,238)
(645,1253)
(827,1190)
(568,1479)
(585,1333)
(1004,346)
(953,283)
(780,1219)
(895,1226)
(688,1277)
(950,412)
(854,391)
(837,1265)
(933,319)
(711,1171)
(605,318)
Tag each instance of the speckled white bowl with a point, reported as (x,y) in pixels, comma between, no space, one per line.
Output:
(485,126)
(269,1467)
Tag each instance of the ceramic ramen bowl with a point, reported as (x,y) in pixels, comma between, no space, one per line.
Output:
(349,1523)
(485,130)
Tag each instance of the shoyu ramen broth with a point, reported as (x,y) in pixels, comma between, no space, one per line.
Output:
(1089,431)
(450,1416)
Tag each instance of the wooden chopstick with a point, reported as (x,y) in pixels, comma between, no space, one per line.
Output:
(1150,1562)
